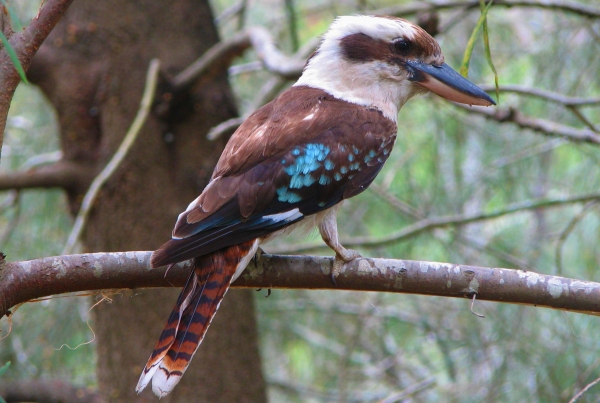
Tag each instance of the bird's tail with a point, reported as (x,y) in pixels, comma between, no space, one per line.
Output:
(191,317)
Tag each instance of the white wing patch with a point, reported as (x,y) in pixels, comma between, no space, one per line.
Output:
(287,216)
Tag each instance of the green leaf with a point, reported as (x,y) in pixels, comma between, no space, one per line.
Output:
(13,57)
(13,16)
(464,67)
(488,52)
(4,368)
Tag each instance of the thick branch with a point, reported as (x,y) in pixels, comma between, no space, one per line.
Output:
(26,44)
(23,281)
(63,174)
(46,391)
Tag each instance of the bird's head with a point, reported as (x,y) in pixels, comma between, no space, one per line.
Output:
(382,62)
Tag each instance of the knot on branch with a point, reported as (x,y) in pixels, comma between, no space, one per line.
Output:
(506,115)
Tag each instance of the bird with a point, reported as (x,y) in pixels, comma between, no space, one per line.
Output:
(293,162)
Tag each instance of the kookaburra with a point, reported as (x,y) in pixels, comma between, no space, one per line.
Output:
(293,162)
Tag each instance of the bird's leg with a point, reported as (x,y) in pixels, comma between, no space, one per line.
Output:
(329,233)
(257,256)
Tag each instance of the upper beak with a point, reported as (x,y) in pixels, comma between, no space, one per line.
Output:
(447,83)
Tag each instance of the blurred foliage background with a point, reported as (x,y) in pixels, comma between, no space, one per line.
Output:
(375,347)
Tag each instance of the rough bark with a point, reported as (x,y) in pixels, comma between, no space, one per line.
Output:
(25,44)
(23,281)
(92,69)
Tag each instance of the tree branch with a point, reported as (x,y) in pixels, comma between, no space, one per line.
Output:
(539,125)
(571,103)
(543,94)
(417,7)
(24,281)
(268,91)
(46,391)
(584,390)
(63,174)
(430,223)
(222,54)
(26,44)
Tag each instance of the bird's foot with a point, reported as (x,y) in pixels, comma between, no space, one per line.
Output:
(257,256)
(343,256)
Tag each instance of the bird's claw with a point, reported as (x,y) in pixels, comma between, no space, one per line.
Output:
(257,255)
(345,256)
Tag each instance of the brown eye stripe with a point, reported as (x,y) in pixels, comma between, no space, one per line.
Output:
(362,48)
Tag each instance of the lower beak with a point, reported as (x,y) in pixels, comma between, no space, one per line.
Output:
(447,83)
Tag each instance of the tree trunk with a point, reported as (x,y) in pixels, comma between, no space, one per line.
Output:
(92,68)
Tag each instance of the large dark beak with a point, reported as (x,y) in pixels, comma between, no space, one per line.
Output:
(447,83)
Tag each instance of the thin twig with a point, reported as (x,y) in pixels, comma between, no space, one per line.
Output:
(221,55)
(111,167)
(43,159)
(267,92)
(499,254)
(567,231)
(273,86)
(550,96)
(416,7)
(245,68)
(584,390)
(571,103)
(472,305)
(14,200)
(235,10)
(575,111)
(529,152)
(444,221)
(226,127)
(301,304)
(409,391)
(395,202)
(539,125)
(9,201)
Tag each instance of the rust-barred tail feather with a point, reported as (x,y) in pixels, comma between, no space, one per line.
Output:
(193,312)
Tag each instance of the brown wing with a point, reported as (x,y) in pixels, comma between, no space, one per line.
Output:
(284,169)
(293,118)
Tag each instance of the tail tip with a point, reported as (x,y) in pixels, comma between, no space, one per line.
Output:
(164,381)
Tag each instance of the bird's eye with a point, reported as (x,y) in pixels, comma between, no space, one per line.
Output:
(402,45)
